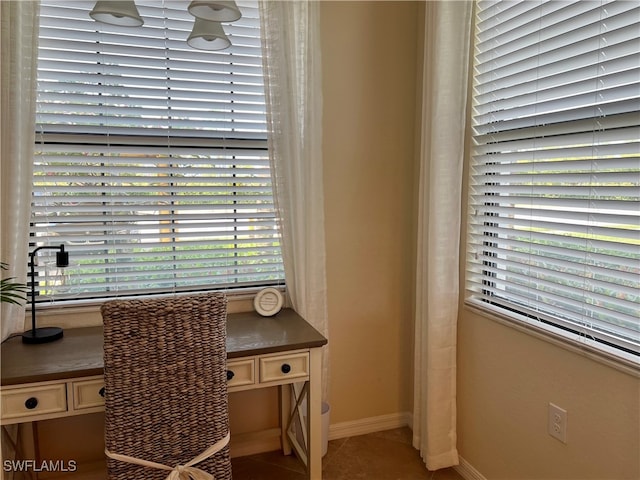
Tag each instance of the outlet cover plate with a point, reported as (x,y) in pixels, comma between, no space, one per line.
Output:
(557,422)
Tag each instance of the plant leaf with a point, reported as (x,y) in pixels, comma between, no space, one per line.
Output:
(11,291)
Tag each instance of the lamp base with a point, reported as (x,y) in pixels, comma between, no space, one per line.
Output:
(42,335)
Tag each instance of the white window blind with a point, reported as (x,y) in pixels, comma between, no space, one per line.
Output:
(151,161)
(554,227)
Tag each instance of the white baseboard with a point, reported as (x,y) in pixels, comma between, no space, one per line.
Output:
(467,471)
(368,425)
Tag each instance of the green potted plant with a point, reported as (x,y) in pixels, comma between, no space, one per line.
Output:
(10,290)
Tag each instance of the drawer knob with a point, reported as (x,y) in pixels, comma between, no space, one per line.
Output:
(101,392)
(31,403)
(230,374)
(286,368)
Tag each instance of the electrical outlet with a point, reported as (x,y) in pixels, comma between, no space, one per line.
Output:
(557,422)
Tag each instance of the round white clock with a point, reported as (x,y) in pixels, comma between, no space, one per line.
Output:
(268,301)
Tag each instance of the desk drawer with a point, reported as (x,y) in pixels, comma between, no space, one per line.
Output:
(284,367)
(35,400)
(241,373)
(88,393)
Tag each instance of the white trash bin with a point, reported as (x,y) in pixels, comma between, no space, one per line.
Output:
(325,427)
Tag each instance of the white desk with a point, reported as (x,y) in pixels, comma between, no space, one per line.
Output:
(64,378)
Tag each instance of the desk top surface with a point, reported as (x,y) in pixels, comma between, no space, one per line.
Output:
(79,352)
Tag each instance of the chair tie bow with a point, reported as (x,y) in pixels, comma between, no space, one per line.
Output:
(183,472)
(179,472)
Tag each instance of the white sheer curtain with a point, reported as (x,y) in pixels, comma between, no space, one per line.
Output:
(446,54)
(291,52)
(18,41)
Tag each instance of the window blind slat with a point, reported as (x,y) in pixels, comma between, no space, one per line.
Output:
(603,266)
(557,113)
(587,245)
(594,85)
(617,128)
(549,31)
(570,158)
(198,119)
(145,134)
(619,43)
(244,100)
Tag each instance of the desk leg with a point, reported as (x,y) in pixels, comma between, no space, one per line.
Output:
(285,413)
(18,444)
(314,415)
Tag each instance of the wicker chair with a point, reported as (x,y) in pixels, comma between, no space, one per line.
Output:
(165,387)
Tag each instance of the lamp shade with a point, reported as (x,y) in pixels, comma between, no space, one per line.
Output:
(215,10)
(122,13)
(208,35)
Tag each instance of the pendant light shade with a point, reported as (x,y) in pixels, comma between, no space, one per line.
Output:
(208,35)
(215,10)
(122,13)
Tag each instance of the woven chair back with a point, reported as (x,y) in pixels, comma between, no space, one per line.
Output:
(165,383)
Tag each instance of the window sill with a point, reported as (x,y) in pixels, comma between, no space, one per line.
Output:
(628,366)
(87,313)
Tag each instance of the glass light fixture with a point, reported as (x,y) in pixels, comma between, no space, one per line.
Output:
(215,10)
(43,334)
(60,280)
(122,13)
(207,35)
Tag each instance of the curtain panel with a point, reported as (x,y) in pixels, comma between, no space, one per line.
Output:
(292,71)
(446,57)
(19,53)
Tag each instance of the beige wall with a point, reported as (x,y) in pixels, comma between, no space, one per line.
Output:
(506,380)
(368,55)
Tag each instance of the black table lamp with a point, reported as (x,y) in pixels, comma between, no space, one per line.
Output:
(44,334)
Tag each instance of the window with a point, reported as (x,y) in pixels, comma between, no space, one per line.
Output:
(151,161)
(554,224)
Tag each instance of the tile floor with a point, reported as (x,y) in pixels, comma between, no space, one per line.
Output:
(384,455)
